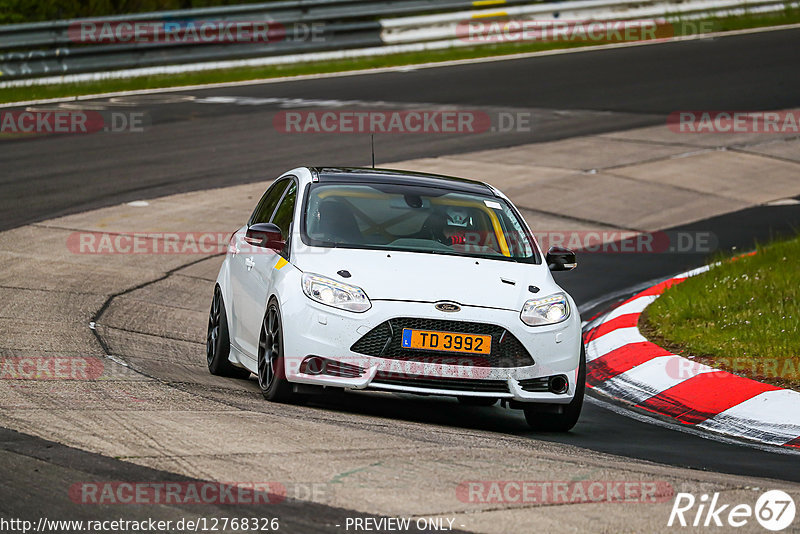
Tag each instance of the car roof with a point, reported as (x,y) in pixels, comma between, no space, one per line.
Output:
(399,177)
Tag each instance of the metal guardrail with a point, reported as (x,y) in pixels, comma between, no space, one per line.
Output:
(48,52)
(48,48)
(447,26)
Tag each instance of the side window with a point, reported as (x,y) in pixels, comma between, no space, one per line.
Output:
(285,213)
(266,207)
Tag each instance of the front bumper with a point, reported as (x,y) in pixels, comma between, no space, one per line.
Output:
(312,329)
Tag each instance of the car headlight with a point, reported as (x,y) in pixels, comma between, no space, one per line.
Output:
(546,310)
(334,293)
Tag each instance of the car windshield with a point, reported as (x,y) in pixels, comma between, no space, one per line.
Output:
(415,219)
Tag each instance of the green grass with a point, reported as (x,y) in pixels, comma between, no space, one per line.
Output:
(742,315)
(712,24)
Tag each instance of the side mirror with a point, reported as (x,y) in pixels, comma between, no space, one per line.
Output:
(560,259)
(265,235)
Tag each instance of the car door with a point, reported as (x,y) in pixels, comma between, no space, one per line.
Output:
(243,260)
(260,268)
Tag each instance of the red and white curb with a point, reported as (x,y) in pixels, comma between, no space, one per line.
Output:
(622,364)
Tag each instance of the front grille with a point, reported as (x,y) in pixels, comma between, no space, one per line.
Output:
(536,385)
(385,341)
(449,384)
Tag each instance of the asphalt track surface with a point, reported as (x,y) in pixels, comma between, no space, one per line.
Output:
(200,146)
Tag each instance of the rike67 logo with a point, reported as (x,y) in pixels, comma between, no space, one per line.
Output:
(774,510)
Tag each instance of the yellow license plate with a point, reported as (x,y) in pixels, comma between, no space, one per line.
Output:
(446,341)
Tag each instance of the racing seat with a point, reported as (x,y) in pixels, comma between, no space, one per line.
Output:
(337,223)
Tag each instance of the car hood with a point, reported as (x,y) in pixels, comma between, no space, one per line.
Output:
(421,277)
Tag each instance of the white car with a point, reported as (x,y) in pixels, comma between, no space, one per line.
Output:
(374,279)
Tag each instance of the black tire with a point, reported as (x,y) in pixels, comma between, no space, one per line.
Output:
(218,343)
(478,401)
(559,417)
(271,371)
